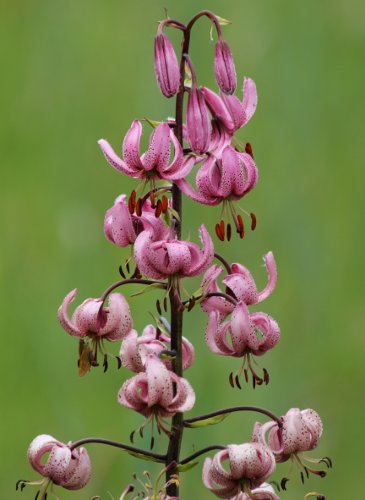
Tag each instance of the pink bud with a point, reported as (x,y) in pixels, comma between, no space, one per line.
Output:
(198,121)
(166,66)
(225,72)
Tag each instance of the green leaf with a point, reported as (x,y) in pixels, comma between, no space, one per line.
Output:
(185,467)
(174,213)
(153,123)
(143,456)
(207,421)
(148,288)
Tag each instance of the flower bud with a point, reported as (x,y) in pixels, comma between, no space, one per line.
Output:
(225,72)
(198,121)
(166,66)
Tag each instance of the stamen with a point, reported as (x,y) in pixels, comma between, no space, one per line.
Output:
(121,272)
(127,266)
(119,362)
(283,483)
(248,149)
(241,227)
(231,380)
(158,307)
(158,210)
(132,202)
(105,362)
(253,221)
(164,203)
(229,231)
(165,304)
(139,207)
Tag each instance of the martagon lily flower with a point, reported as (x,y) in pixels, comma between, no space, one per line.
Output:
(87,321)
(157,392)
(249,465)
(63,467)
(135,350)
(122,228)
(155,163)
(250,335)
(172,257)
(301,432)
(240,285)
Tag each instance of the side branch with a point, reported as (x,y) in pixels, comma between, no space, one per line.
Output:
(136,281)
(202,452)
(138,451)
(225,411)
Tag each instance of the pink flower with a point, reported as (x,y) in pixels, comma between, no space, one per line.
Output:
(301,431)
(225,72)
(227,178)
(122,228)
(151,393)
(155,162)
(248,336)
(240,285)
(84,321)
(166,65)
(172,257)
(135,350)
(249,465)
(229,110)
(70,469)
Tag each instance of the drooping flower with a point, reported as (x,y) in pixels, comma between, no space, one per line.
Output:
(122,228)
(155,162)
(248,335)
(225,72)
(249,465)
(92,325)
(229,110)
(239,284)
(62,466)
(301,431)
(166,65)
(224,180)
(152,393)
(134,350)
(172,257)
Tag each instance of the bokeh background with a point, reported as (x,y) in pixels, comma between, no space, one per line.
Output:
(72,72)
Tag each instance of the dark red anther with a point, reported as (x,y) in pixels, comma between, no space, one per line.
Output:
(238,382)
(231,380)
(165,303)
(283,483)
(229,231)
(119,362)
(140,432)
(266,376)
(158,210)
(246,375)
(139,207)
(153,199)
(152,442)
(127,266)
(105,363)
(121,272)
(131,436)
(165,204)
(302,477)
(132,202)
(158,307)
(241,227)
(248,149)
(253,221)
(218,232)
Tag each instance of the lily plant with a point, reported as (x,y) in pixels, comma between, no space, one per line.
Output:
(149,221)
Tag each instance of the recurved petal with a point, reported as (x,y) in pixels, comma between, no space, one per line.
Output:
(131,144)
(58,461)
(201,261)
(241,284)
(175,170)
(158,154)
(143,253)
(184,398)
(64,319)
(119,322)
(77,477)
(129,353)
(235,110)
(219,109)
(38,447)
(114,160)
(134,393)
(269,332)
(160,389)
(118,226)
(188,190)
(242,331)
(232,179)
(249,102)
(272,277)
(314,424)
(251,173)
(227,489)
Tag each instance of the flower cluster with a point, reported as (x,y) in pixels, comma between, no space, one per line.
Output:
(150,224)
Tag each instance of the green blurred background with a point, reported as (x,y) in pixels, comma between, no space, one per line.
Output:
(75,71)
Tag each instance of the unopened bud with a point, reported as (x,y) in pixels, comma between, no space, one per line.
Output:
(166,66)
(225,72)
(198,121)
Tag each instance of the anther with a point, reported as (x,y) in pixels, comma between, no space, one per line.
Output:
(132,202)
(158,210)
(302,477)
(121,272)
(37,495)
(248,149)
(158,307)
(266,376)
(246,375)
(127,266)
(283,483)
(238,382)
(152,442)
(241,227)
(229,231)
(119,362)
(231,380)
(105,362)
(253,221)
(165,304)
(131,436)
(139,207)
(219,232)
(165,204)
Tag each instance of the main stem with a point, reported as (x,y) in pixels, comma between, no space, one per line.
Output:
(177,426)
